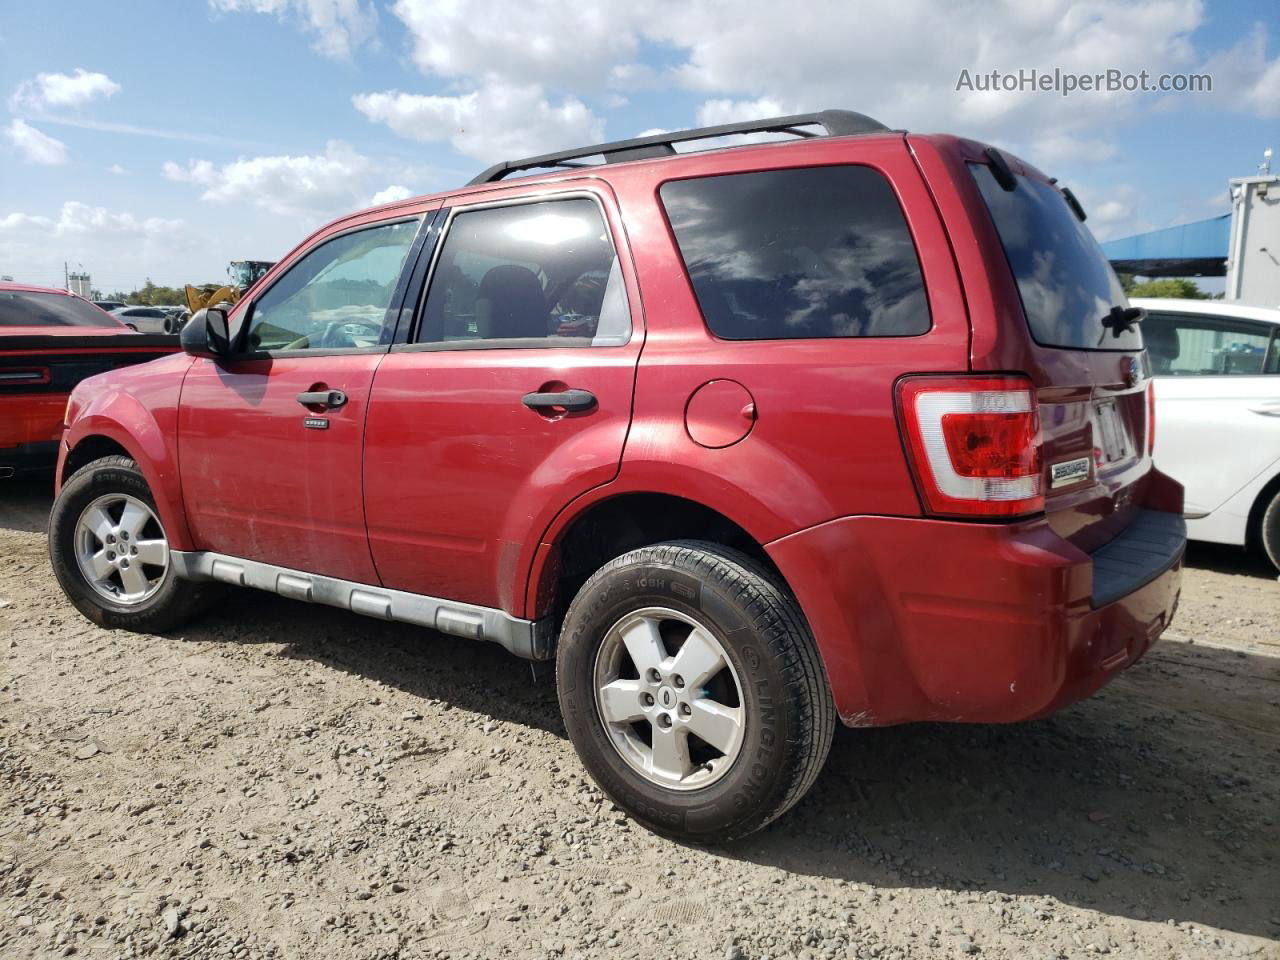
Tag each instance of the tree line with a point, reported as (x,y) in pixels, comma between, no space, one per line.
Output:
(148,295)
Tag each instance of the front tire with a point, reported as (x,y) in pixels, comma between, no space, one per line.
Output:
(110,552)
(692,690)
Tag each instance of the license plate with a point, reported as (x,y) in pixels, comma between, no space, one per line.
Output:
(1113,438)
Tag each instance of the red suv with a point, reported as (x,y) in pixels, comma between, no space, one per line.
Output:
(855,425)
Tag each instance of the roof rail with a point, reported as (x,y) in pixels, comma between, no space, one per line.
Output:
(837,123)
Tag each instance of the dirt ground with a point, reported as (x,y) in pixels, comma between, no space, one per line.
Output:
(281,780)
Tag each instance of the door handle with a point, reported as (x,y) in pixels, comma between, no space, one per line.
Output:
(571,400)
(1267,409)
(323,398)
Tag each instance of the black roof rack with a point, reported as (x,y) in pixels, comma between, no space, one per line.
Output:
(837,123)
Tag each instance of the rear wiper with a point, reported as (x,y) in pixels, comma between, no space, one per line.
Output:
(1120,320)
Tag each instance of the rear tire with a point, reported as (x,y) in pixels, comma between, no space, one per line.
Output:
(1269,531)
(713,647)
(110,553)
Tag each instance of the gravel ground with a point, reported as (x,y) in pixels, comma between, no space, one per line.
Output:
(285,781)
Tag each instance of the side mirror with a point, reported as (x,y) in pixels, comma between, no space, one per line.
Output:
(206,334)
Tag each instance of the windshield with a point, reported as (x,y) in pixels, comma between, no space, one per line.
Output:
(28,309)
(1066,284)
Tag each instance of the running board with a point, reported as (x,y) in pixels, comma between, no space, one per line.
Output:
(530,639)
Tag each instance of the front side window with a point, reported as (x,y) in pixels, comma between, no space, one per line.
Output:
(1181,345)
(799,254)
(335,297)
(21,308)
(537,274)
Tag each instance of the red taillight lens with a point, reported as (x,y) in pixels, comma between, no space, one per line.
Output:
(975,444)
(1151,417)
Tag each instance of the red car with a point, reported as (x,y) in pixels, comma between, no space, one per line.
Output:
(747,439)
(50,340)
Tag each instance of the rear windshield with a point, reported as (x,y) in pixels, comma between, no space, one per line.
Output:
(1066,284)
(26,309)
(799,254)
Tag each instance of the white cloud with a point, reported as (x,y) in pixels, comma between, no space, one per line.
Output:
(116,246)
(116,169)
(1054,150)
(35,146)
(715,112)
(390,195)
(1244,79)
(527,42)
(497,121)
(900,60)
(76,218)
(318,185)
(63,90)
(338,26)
(1112,211)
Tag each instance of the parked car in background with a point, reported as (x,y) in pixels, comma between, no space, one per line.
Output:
(109,305)
(50,340)
(884,455)
(148,319)
(1217,387)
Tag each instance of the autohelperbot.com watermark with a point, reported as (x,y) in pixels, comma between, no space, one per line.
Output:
(1067,82)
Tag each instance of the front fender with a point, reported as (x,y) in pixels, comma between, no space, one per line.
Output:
(138,411)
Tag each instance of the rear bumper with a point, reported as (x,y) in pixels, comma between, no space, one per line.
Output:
(922,619)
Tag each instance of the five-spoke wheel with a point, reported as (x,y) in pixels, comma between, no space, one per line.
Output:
(670,698)
(121,548)
(692,689)
(110,551)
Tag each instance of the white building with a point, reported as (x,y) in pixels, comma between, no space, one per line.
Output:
(80,285)
(1253,259)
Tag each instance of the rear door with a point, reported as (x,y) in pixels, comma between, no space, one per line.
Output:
(512,396)
(270,441)
(1217,402)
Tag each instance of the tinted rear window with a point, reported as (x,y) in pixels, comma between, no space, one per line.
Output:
(1066,284)
(24,309)
(796,254)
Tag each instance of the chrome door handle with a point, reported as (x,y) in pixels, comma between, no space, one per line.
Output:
(1267,409)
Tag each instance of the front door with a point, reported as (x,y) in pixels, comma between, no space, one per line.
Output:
(513,396)
(270,441)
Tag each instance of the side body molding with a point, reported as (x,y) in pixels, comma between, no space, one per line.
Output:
(530,639)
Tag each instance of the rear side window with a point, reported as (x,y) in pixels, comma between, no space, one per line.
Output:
(25,309)
(1065,282)
(799,254)
(538,274)
(1182,345)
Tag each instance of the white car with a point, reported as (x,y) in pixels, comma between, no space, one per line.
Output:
(1216,366)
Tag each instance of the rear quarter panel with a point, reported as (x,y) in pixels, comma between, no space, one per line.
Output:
(825,440)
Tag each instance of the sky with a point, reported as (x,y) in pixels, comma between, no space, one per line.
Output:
(163,138)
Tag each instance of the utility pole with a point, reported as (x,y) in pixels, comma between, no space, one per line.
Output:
(66,280)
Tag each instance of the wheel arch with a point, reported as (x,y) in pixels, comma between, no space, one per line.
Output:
(126,427)
(598,529)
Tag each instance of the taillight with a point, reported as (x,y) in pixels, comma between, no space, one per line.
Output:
(1151,417)
(975,444)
